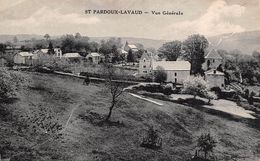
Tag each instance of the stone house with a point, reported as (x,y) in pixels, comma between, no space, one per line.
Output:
(215,78)
(24,58)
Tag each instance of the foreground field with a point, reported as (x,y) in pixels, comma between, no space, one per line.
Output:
(76,107)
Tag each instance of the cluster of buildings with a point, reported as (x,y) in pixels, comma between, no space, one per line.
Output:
(30,58)
(178,71)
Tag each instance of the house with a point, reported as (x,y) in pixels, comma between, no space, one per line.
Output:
(212,60)
(145,64)
(130,46)
(95,58)
(72,56)
(24,58)
(215,78)
(177,71)
(58,52)
(12,49)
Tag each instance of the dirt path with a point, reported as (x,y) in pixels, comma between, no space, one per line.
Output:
(221,105)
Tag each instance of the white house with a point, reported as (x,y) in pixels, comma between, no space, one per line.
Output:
(177,71)
(58,52)
(72,56)
(212,60)
(215,78)
(23,58)
(145,64)
(130,46)
(95,58)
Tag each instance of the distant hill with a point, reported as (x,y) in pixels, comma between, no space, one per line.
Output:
(148,43)
(20,37)
(246,42)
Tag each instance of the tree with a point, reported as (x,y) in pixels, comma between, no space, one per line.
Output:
(47,36)
(51,49)
(115,89)
(15,40)
(130,56)
(206,143)
(210,96)
(77,35)
(10,81)
(160,75)
(194,48)
(110,46)
(195,86)
(171,50)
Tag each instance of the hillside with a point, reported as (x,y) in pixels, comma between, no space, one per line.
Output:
(178,125)
(246,42)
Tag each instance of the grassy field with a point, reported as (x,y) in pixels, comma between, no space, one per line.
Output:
(83,140)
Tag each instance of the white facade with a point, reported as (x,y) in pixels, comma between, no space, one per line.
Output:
(145,64)
(23,58)
(215,79)
(58,52)
(95,58)
(177,71)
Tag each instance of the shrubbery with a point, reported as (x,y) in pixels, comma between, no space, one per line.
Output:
(10,81)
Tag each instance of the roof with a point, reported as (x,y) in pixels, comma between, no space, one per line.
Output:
(93,54)
(25,54)
(71,55)
(132,46)
(211,72)
(45,50)
(172,65)
(123,51)
(213,54)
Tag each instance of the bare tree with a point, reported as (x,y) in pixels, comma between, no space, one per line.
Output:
(114,88)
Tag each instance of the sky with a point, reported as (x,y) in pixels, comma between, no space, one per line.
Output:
(59,17)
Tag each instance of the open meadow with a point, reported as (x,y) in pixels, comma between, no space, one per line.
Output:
(77,107)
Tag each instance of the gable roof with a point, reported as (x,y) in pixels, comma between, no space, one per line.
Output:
(25,54)
(172,65)
(132,46)
(211,72)
(213,55)
(71,55)
(94,54)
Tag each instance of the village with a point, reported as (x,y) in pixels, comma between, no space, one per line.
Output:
(113,85)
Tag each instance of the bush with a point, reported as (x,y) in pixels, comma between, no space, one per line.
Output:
(160,75)
(10,81)
(195,86)
(206,143)
(152,139)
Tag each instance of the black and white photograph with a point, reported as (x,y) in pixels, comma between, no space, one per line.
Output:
(130,80)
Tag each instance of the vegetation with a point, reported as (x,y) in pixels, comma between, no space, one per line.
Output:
(152,139)
(10,81)
(206,143)
(171,50)
(66,97)
(160,75)
(114,88)
(195,86)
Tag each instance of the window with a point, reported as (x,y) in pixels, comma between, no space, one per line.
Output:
(222,85)
(175,74)
(213,60)
(144,60)
(175,80)
(144,66)
(144,71)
